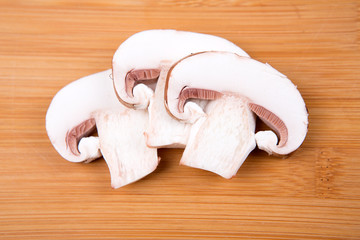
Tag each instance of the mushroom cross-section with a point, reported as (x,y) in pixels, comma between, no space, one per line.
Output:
(87,104)
(136,62)
(271,95)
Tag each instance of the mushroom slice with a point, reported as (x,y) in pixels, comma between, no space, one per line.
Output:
(271,95)
(89,103)
(221,141)
(137,61)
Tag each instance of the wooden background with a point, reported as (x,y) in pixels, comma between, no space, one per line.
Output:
(313,194)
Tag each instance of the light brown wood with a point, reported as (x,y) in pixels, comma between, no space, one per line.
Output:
(312,194)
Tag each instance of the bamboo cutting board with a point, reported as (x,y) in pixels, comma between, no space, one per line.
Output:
(312,194)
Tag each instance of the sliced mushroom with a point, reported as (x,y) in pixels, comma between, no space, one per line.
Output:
(271,95)
(221,141)
(137,61)
(89,103)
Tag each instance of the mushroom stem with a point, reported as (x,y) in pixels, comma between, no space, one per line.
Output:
(164,130)
(122,144)
(221,141)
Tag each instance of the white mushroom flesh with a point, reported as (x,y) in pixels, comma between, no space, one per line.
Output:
(164,130)
(122,143)
(271,94)
(221,141)
(138,59)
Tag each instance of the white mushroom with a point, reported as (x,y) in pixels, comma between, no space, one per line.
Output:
(89,103)
(138,59)
(270,95)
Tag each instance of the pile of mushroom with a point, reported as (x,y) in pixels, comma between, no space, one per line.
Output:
(176,89)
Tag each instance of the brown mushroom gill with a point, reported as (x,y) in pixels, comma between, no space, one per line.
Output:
(73,137)
(137,76)
(268,117)
(197,93)
(273,121)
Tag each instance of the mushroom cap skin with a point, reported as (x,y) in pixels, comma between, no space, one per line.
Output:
(227,73)
(73,105)
(146,50)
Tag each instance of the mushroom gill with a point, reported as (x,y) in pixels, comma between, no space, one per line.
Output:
(134,77)
(78,132)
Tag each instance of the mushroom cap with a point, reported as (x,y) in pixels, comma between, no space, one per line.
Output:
(147,49)
(229,73)
(74,104)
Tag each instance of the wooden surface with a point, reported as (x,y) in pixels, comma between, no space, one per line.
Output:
(313,194)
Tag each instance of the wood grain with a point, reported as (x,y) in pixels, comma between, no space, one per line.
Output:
(312,194)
